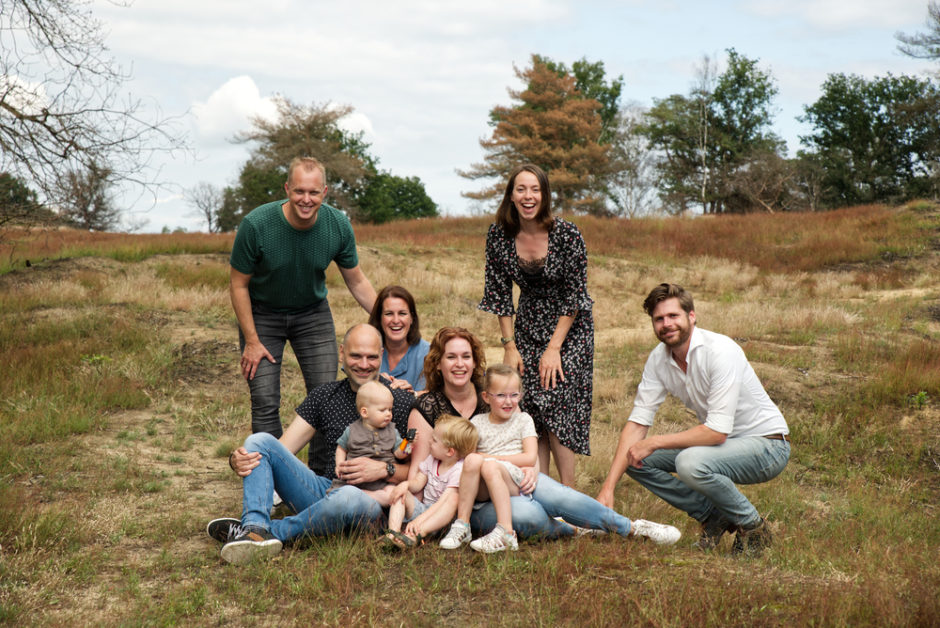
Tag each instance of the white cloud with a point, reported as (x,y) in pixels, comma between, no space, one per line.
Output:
(841,15)
(229,109)
(29,98)
(355,122)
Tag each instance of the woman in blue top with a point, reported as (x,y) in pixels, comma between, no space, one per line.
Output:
(395,316)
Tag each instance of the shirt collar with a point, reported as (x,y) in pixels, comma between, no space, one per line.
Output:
(696,340)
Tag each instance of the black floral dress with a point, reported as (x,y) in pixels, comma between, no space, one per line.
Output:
(547,291)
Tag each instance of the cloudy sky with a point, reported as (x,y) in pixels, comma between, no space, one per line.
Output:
(422,75)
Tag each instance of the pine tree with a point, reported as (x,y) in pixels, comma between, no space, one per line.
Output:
(553,126)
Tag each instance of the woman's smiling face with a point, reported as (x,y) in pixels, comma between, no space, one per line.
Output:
(527,195)
(456,365)
(396,319)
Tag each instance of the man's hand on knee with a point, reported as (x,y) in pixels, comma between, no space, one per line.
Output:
(243,461)
(639,451)
(359,470)
(251,357)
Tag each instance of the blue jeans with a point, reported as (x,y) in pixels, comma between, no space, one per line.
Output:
(534,516)
(312,337)
(704,484)
(318,514)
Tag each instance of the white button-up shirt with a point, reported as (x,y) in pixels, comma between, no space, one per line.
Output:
(719,385)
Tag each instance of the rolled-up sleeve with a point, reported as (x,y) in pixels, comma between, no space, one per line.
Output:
(650,394)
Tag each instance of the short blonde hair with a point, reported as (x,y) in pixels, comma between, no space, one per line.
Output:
(501,370)
(307,164)
(459,433)
(371,392)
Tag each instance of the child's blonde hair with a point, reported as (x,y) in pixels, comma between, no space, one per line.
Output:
(501,370)
(459,433)
(370,392)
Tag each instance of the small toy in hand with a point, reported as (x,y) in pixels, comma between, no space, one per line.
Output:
(406,442)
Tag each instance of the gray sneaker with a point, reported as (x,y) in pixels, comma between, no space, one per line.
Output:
(496,541)
(658,533)
(459,534)
(253,543)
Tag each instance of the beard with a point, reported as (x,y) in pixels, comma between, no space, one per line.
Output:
(684,331)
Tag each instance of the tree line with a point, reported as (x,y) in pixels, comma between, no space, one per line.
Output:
(68,135)
(713,149)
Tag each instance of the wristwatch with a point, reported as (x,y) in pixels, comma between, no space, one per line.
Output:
(390,468)
(506,341)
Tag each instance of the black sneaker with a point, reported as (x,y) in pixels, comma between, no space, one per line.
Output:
(253,543)
(751,542)
(713,529)
(224,529)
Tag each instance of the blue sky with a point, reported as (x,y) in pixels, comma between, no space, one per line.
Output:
(422,75)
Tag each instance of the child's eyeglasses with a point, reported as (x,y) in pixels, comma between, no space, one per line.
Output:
(504,396)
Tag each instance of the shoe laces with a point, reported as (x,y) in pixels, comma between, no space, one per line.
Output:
(496,538)
(235,530)
(457,532)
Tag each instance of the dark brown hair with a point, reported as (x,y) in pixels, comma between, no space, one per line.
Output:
(507,216)
(432,362)
(668,291)
(396,292)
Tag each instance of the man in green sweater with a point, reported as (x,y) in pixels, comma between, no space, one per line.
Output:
(278,288)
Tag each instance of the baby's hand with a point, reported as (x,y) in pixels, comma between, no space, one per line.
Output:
(399,454)
(412,529)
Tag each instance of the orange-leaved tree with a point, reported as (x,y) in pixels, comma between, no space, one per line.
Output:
(553,126)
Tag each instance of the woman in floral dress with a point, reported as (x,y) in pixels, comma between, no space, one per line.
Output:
(552,340)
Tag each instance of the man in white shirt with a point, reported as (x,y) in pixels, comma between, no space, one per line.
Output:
(743,437)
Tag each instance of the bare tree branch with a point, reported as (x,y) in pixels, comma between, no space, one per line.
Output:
(206,201)
(63,108)
(923,45)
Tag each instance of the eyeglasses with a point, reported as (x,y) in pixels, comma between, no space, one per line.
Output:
(504,396)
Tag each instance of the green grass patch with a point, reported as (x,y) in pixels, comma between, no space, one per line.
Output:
(198,275)
(116,418)
(65,374)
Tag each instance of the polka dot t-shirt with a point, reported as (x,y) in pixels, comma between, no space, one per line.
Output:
(331,408)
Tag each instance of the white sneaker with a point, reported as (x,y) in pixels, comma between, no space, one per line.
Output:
(459,534)
(658,533)
(496,541)
(252,544)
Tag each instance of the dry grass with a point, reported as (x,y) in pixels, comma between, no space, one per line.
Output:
(121,400)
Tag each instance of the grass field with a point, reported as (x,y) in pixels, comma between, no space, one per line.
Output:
(121,400)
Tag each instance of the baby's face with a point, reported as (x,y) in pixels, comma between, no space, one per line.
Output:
(378,412)
(439,450)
